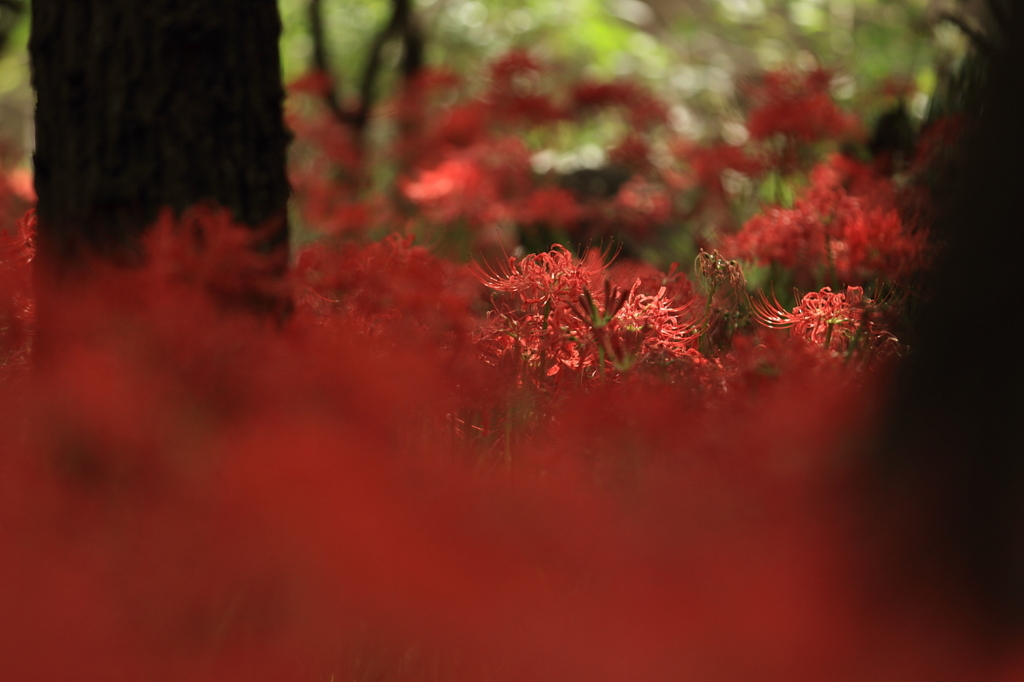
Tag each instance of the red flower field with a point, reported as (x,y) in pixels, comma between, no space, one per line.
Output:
(491,434)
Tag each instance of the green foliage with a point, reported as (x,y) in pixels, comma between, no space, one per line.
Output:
(691,53)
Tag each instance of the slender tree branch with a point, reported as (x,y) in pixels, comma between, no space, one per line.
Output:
(401,25)
(321,62)
(412,48)
(976,36)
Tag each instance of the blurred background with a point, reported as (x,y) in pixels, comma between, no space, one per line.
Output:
(691,52)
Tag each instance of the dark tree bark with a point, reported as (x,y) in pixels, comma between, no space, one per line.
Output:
(952,460)
(151,104)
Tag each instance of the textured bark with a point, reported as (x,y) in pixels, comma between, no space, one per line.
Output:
(143,105)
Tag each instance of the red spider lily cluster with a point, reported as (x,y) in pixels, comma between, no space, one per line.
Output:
(837,322)
(465,176)
(462,166)
(844,227)
(555,464)
(555,321)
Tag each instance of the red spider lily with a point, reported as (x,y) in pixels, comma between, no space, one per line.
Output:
(844,226)
(208,480)
(182,489)
(206,247)
(837,322)
(537,326)
(17,249)
(389,289)
(653,327)
(555,322)
(541,278)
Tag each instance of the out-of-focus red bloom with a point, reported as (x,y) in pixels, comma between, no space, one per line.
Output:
(432,80)
(205,247)
(641,206)
(21,183)
(623,273)
(460,126)
(551,206)
(17,305)
(898,87)
(326,172)
(838,171)
(313,82)
(707,164)
(479,186)
(632,152)
(513,64)
(798,106)
(833,232)
(386,290)
(454,176)
(643,109)
(458,188)
(322,134)
(514,95)
(797,109)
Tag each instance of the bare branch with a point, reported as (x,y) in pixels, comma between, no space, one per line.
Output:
(976,36)
(401,25)
(321,62)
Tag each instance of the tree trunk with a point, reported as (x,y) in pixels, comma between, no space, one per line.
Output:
(952,462)
(152,104)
